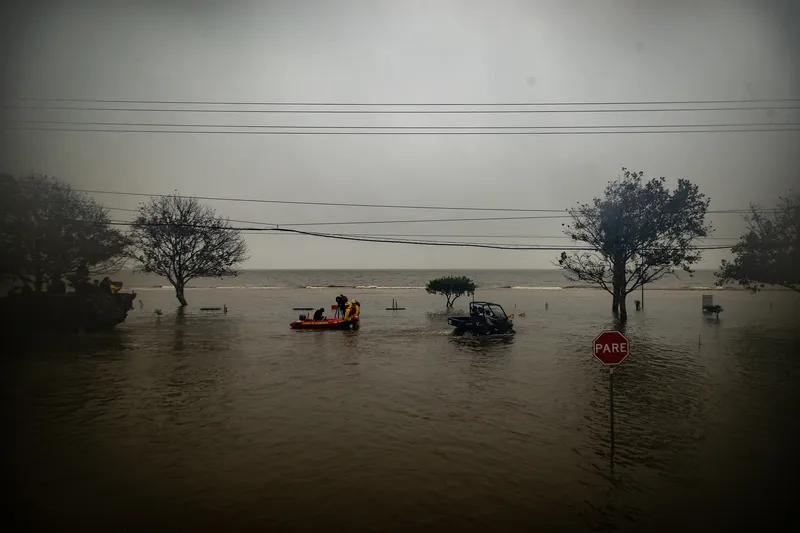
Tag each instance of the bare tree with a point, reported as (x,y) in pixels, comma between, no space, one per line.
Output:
(181,239)
(640,232)
(769,253)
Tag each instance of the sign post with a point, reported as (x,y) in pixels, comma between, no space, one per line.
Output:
(611,348)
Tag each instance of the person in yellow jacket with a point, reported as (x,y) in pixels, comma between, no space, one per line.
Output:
(352,308)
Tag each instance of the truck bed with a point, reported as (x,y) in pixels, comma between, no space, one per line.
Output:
(459,321)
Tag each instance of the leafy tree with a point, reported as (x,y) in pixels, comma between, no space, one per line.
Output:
(452,287)
(181,239)
(12,254)
(48,230)
(769,253)
(639,232)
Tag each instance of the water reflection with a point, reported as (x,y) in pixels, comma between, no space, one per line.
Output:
(442,316)
(213,419)
(179,333)
(482,344)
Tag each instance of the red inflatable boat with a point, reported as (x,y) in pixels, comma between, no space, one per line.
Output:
(328,323)
(350,319)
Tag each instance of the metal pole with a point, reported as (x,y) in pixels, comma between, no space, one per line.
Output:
(611,397)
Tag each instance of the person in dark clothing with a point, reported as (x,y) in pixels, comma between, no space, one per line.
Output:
(319,314)
(341,301)
(105,285)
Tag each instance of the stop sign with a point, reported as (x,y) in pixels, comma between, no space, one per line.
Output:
(611,347)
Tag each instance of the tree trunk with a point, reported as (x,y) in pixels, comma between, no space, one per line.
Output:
(618,283)
(38,281)
(449,302)
(179,295)
(623,310)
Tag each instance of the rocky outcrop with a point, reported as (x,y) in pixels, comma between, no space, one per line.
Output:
(69,313)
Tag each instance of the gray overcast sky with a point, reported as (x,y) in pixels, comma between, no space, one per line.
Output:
(406,51)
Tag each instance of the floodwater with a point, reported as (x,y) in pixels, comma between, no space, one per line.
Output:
(232,422)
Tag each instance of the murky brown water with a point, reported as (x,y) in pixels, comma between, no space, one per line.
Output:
(234,422)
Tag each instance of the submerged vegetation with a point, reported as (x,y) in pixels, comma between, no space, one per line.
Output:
(48,232)
(54,238)
(451,287)
(181,239)
(52,235)
(639,232)
(769,252)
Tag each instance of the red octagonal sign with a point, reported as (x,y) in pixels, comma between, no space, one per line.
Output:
(611,347)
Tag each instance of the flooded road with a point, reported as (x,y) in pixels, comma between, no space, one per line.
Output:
(234,422)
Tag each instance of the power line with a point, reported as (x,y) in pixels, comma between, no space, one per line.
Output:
(462,236)
(495,246)
(401,128)
(116,208)
(350,237)
(409,221)
(409,104)
(438,235)
(399,111)
(360,222)
(327,204)
(340,236)
(315,132)
(349,204)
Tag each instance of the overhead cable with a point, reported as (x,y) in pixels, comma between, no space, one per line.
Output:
(333,132)
(400,128)
(339,236)
(492,111)
(440,104)
(352,204)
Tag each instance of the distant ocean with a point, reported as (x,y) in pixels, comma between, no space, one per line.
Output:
(402,280)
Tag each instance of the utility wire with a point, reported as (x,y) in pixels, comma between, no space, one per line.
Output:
(387,104)
(328,204)
(401,111)
(463,236)
(399,132)
(412,221)
(340,236)
(399,128)
(439,235)
(348,204)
